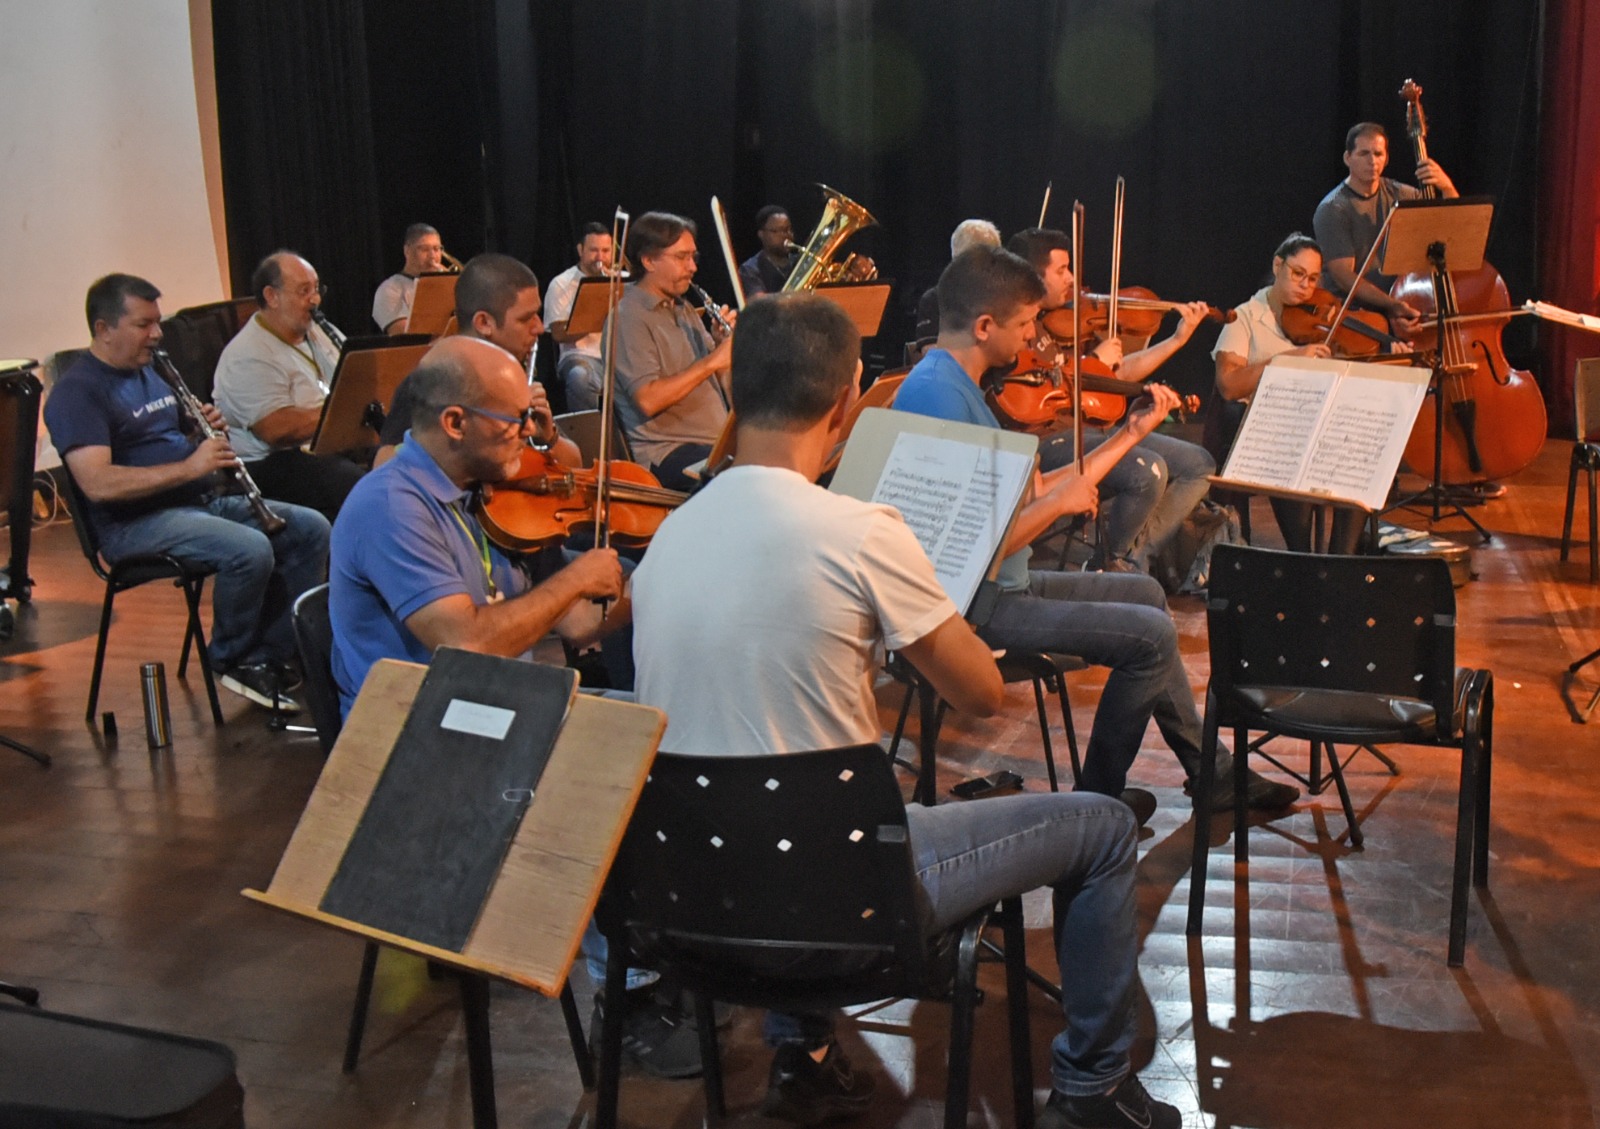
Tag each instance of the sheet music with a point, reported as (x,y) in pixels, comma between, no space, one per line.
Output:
(1335,429)
(1362,439)
(958,499)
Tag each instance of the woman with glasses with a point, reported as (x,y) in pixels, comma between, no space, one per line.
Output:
(1243,349)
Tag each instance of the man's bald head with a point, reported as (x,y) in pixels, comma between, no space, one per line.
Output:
(461,370)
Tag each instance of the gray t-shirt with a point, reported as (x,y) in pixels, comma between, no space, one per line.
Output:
(259,372)
(660,337)
(1346,225)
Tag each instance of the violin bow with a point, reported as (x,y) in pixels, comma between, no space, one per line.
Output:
(719,220)
(602,479)
(1044,208)
(1118,198)
(1366,265)
(1077,330)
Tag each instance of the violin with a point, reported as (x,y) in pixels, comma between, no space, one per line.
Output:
(1140,313)
(1361,333)
(1494,420)
(1035,393)
(544,502)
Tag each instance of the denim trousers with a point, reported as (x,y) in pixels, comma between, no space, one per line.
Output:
(581,375)
(969,856)
(1146,495)
(258,577)
(1116,620)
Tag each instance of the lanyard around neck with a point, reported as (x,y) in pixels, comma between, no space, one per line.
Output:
(482,547)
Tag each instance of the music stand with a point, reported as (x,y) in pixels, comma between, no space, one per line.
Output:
(433,303)
(530,925)
(590,304)
(370,369)
(864,302)
(1438,236)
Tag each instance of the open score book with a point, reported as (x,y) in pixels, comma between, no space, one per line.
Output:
(1326,430)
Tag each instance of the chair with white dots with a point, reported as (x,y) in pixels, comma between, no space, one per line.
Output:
(787,883)
(1357,650)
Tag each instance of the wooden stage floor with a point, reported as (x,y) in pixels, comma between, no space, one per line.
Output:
(1318,996)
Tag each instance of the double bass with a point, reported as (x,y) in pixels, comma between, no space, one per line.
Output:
(1494,416)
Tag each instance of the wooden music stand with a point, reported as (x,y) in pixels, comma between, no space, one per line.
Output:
(590,304)
(544,894)
(370,369)
(863,301)
(433,304)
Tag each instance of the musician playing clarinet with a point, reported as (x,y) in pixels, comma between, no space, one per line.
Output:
(153,488)
(271,381)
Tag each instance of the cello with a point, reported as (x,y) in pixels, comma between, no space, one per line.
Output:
(1494,421)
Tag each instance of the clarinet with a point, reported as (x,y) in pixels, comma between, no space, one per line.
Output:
(713,311)
(335,334)
(189,405)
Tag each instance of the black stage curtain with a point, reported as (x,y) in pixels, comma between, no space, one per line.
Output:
(507,123)
(296,137)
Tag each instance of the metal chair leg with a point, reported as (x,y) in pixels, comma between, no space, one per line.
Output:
(580,1046)
(705,1018)
(100,652)
(480,1055)
(1044,733)
(1573,466)
(1202,818)
(202,652)
(963,1001)
(1072,730)
(1010,918)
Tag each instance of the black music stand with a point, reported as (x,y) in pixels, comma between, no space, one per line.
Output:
(363,387)
(1437,236)
(20,392)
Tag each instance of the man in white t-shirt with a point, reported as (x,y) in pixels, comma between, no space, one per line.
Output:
(759,613)
(271,381)
(391,304)
(579,370)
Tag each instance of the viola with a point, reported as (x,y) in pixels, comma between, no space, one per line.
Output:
(1494,420)
(1035,393)
(545,502)
(1361,333)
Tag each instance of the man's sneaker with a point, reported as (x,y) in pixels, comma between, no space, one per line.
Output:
(1143,804)
(1260,793)
(259,683)
(289,676)
(1126,1107)
(658,1038)
(806,1092)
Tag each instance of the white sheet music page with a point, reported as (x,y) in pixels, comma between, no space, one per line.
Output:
(958,499)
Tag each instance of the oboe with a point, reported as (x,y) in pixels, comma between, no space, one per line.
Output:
(189,405)
(335,334)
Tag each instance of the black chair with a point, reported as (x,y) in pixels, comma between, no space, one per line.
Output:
(130,572)
(313,636)
(583,428)
(1350,649)
(786,882)
(1046,670)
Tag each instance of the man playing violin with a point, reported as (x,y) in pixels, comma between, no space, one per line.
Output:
(1349,217)
(411,568)
(672,397)
(1149,492)
(989,301)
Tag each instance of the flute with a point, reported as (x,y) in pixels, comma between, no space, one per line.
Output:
(189,405)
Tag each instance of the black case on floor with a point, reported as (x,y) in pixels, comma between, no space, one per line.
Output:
(65,1072)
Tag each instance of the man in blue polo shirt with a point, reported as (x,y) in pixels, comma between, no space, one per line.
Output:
(412,570)
(153,489)
(988,302)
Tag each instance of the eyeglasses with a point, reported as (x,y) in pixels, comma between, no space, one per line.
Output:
(682,256)
(786,229)
(523,419)
(1299,274)
(304,290)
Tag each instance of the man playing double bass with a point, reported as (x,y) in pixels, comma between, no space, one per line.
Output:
(1349,217)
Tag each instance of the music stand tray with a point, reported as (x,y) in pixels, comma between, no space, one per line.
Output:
(433,303)
(369,370)
(590,304)
(1461,226)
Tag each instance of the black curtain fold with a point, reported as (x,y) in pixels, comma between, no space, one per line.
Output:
(298,158)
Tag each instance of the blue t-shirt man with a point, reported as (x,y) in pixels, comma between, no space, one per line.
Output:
(405,538)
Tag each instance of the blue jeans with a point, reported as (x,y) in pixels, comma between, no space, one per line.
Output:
(258,578)
(1117,620)
(581,375)
(1146,495)
(972,855)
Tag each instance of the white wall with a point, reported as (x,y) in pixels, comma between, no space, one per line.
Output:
(101,167)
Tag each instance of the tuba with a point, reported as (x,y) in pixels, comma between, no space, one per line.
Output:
(842,217)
